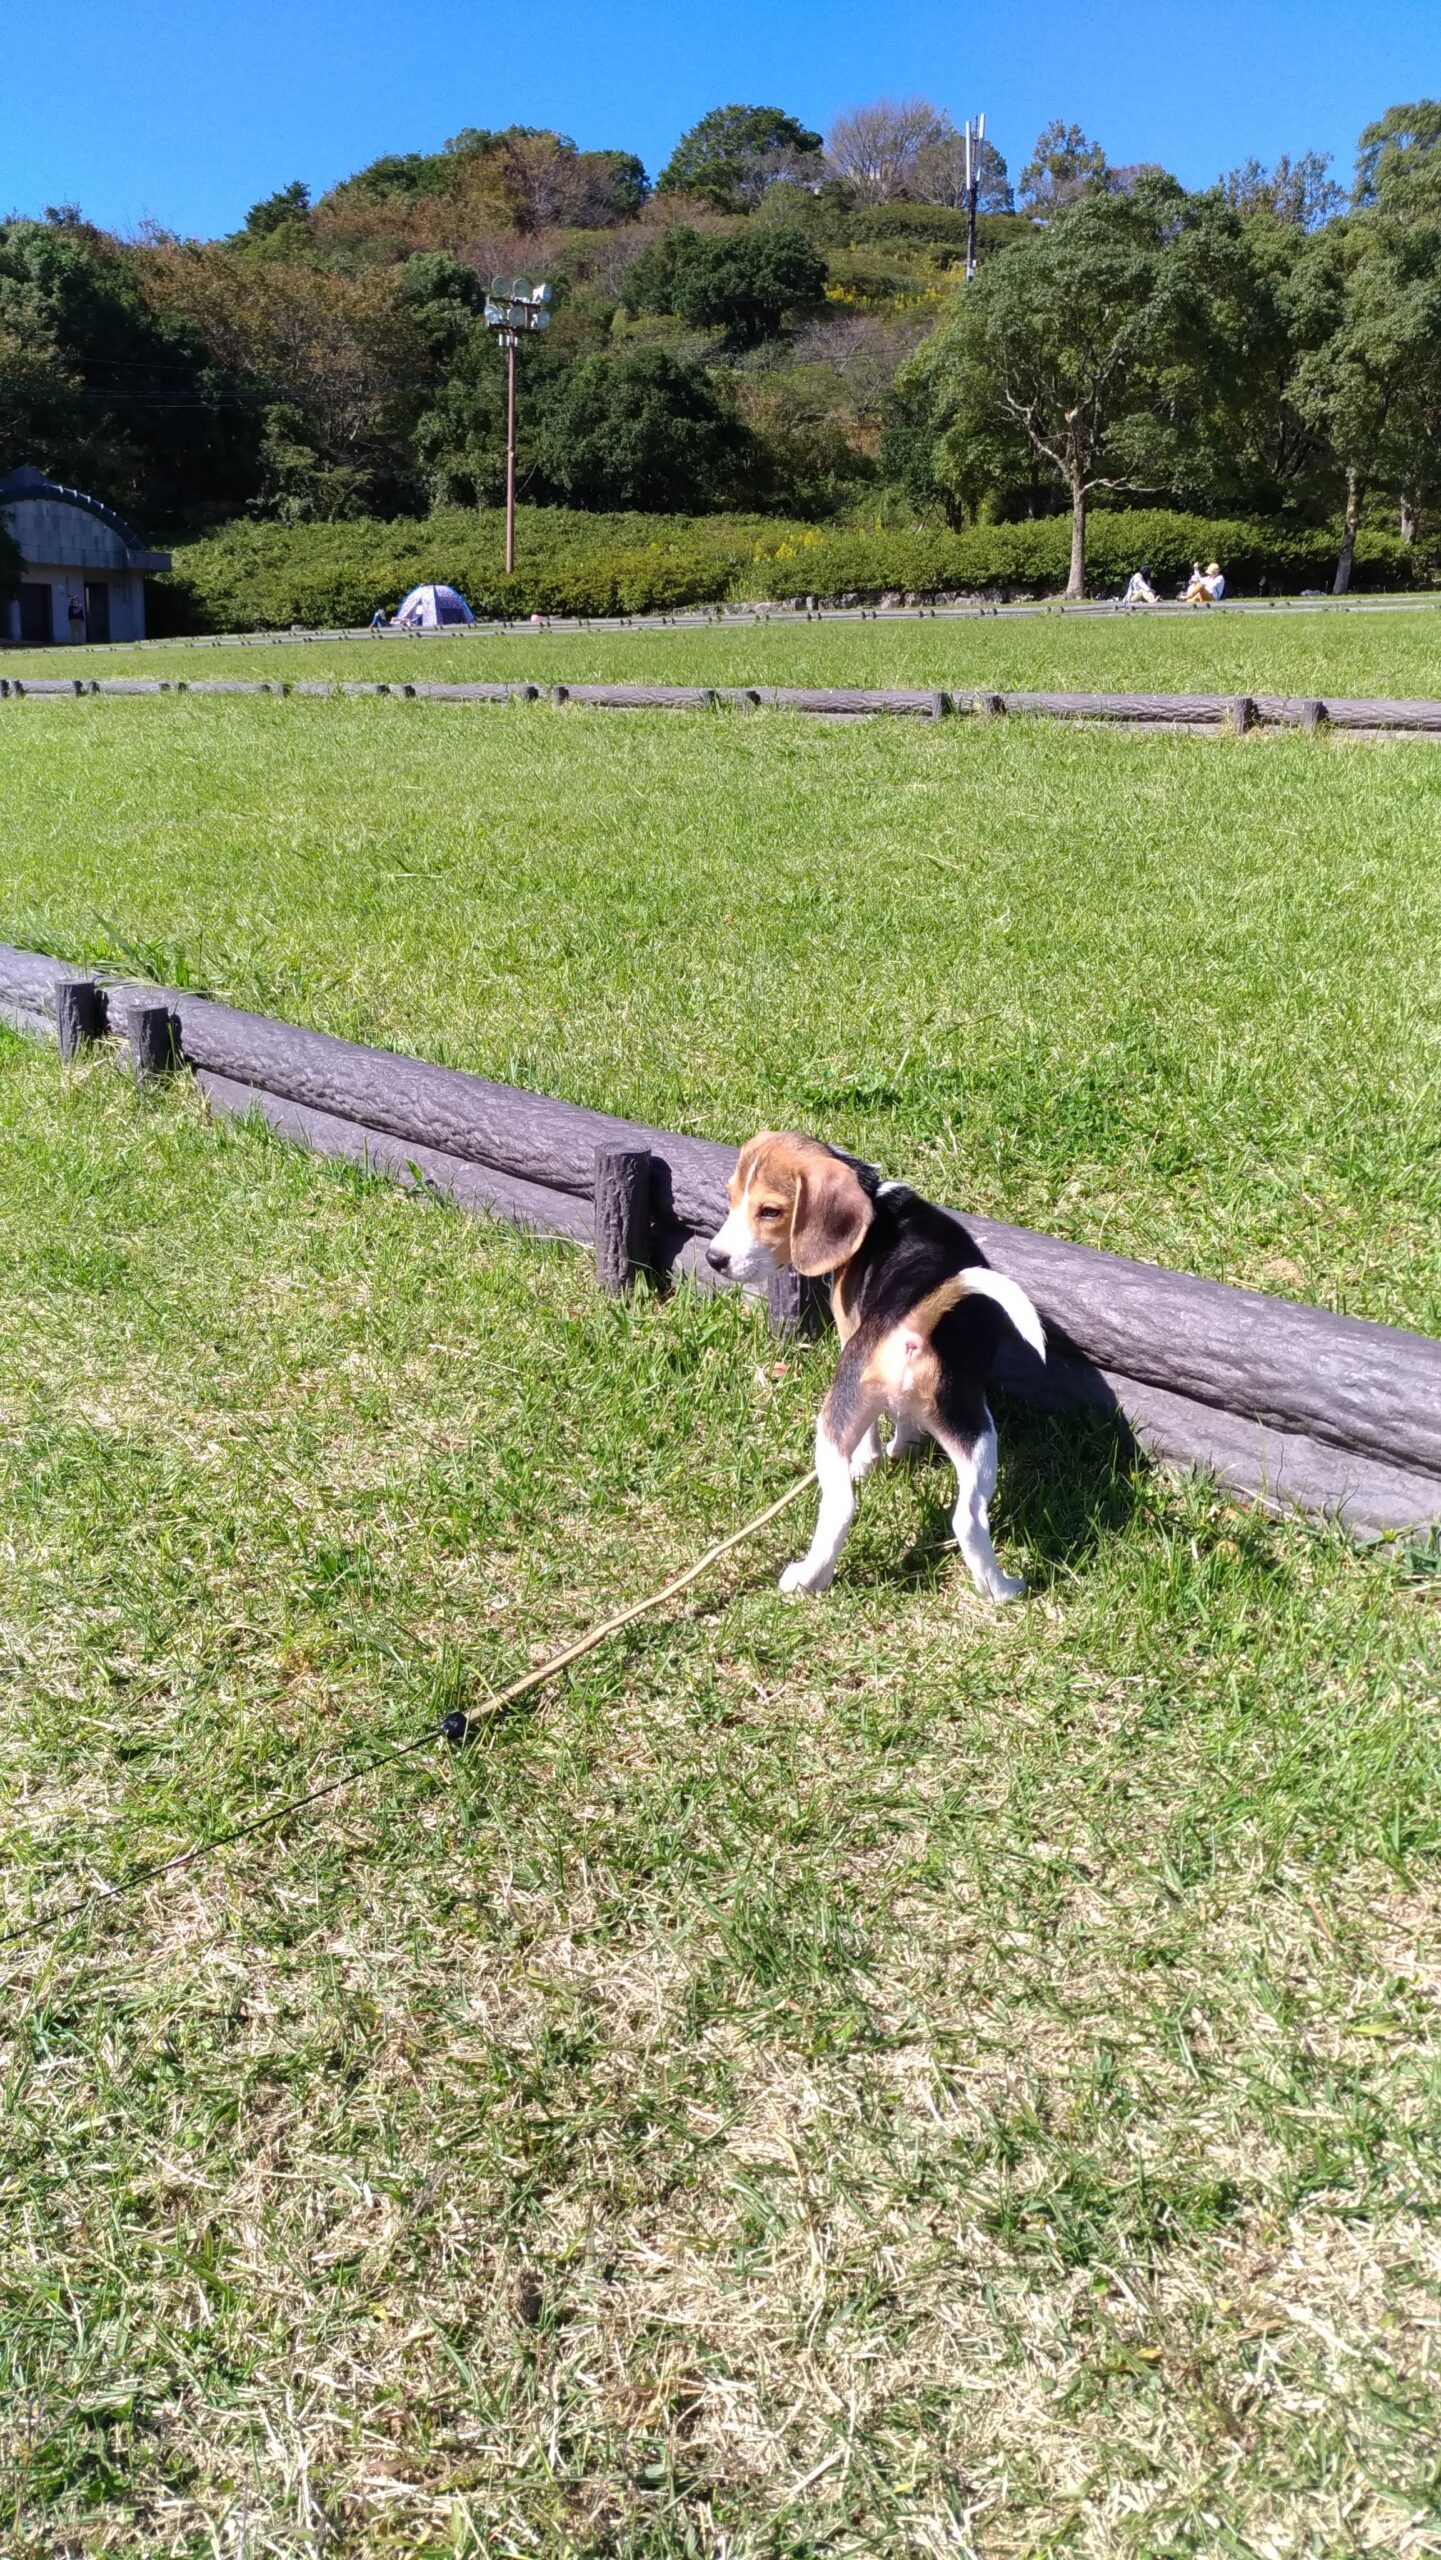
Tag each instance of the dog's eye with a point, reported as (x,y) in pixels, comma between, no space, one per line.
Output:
(767,1212)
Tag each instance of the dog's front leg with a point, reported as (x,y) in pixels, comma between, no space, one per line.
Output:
(813,1572)
(865,1454)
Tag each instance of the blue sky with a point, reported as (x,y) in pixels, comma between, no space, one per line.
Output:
(186,110)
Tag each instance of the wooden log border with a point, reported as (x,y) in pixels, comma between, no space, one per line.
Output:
(1286,1404)
(1210,714)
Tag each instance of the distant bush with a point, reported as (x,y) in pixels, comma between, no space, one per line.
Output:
(254,577)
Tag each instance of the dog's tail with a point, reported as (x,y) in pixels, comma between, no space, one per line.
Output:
(977,1282)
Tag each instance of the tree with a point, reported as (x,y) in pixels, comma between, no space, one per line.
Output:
(1398,158)
(1061,343)
(109,393)
(459,439)
(1240,441)
(877,149)
(289,206)
(44,415)
(546,181)
(639,430)
(1373,384)
(734,153)
(1295,191)
(444,297)
(331,362)
(744,284)
(939,175)
(1063,166)
(618,184)
(525,177)
(1398,173)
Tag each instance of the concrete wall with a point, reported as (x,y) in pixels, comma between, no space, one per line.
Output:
(127,602)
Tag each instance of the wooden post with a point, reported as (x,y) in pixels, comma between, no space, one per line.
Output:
(622,1217)
(1242,713)
(797,1305)
(79,1015)
(1313,717)
(154,1041)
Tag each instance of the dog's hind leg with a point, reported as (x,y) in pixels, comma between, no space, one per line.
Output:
(973,1455)
(847,1421)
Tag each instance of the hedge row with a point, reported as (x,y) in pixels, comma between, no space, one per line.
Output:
(266,577)
(1034,558)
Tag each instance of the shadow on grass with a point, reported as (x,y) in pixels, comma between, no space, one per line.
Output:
(1069,1483)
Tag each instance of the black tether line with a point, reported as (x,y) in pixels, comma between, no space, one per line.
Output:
(451,1728)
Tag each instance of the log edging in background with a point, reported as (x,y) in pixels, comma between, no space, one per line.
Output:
(1286,1403)
(1206,713)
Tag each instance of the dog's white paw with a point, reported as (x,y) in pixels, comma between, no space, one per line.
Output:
(798,1577)
(1005,1587)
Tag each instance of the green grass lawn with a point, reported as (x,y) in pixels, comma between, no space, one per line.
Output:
(873,2077)
(1171,996)
(1355,651)
(870,2077)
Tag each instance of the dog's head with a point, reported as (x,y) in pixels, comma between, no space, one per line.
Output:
(791,1201)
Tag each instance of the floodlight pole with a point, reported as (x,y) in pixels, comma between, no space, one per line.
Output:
(513,305)
(509,454)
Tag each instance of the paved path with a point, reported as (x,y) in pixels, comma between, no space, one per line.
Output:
(757,617)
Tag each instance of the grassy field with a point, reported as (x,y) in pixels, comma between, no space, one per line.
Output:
(1396,652)
(1171,996)
(867,2078)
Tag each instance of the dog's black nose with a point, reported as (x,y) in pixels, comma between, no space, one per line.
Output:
(718,1261)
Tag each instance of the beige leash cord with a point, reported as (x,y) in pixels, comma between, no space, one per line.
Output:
(451,1728)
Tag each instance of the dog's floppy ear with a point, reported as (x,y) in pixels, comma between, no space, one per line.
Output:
(831,1215)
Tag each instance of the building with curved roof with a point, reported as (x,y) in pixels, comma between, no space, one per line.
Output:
(83,568)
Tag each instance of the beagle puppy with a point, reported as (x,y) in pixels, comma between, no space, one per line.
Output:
(918,1323)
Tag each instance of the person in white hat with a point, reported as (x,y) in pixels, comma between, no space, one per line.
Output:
(1207,585)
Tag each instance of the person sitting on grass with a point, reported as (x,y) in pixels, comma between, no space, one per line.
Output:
(380,619)
(1207,585)
(1140,590)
